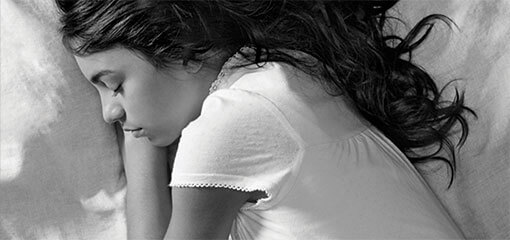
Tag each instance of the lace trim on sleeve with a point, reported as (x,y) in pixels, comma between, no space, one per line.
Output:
(218,185)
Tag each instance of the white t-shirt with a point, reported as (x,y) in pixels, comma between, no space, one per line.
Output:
(328,173)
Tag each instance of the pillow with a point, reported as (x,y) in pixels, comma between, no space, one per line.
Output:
(61,174)
(478,53)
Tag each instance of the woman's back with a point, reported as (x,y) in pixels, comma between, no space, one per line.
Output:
(325,171)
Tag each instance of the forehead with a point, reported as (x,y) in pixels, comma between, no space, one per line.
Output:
(116,59)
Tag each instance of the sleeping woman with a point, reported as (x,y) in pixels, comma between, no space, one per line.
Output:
(296,119)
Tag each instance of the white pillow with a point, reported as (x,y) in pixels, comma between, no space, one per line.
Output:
(61,173)
(478,52)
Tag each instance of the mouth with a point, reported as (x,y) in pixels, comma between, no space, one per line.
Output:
(137,132)
(131,129)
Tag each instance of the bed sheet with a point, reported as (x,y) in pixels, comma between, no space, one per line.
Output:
(477,52)
(60,168)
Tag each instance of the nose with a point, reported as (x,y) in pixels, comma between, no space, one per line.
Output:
(113,112)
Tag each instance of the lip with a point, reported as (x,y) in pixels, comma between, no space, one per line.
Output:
(131,129)
(136,132)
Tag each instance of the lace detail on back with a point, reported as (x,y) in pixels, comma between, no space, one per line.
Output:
(227,66)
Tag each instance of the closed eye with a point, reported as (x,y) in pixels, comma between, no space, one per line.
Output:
(117,90)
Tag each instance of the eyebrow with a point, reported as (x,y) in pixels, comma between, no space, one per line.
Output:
(95,78)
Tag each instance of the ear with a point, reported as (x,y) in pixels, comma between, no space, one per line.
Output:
(193,66)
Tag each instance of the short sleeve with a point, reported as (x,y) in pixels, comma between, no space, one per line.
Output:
(240,141)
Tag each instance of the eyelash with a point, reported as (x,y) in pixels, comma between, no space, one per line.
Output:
(117,90)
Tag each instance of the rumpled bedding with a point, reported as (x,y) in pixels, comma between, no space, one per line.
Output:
(477,53)
(60,169)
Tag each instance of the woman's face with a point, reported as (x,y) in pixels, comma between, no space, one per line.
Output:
(148,102)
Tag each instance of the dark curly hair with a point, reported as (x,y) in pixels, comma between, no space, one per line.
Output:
(357,57)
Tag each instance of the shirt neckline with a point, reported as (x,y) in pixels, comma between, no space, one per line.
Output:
(226,69)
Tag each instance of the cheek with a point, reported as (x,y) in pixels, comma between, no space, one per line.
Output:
(151,111)
(182,106)
(139,99)
(165,107)
(171,117)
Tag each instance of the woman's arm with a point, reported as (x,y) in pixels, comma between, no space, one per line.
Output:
(204,213)
(148,195)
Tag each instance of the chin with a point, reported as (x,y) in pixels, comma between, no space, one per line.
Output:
(161,142)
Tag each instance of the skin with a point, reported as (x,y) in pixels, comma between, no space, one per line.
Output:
(159,103)
(148,199)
